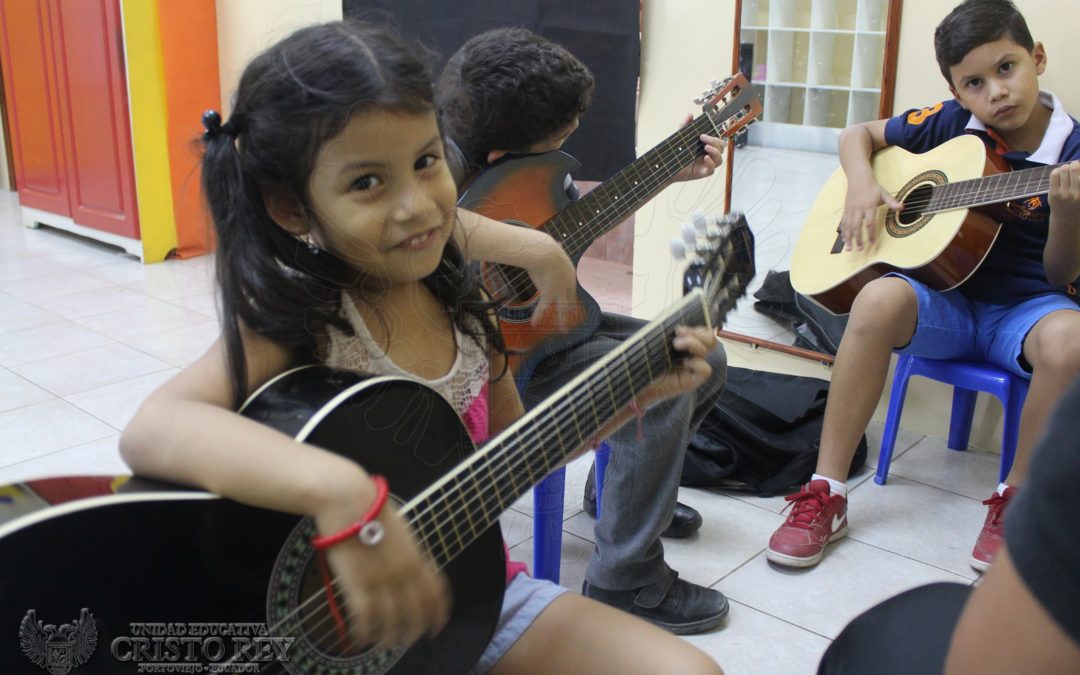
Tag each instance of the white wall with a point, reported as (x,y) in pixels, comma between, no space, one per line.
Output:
(684,45)
(246,27)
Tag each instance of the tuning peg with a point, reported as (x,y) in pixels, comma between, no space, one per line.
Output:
(700,222)
(699,101)
(678,249)
(689,235)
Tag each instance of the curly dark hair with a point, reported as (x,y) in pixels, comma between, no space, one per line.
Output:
(507,89)
(290,100)
(976,22)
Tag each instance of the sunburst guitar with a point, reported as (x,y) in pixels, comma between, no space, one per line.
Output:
(954,198)
(128,576)
(530,191)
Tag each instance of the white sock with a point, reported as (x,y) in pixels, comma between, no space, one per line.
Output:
(1001,488)
(835,487)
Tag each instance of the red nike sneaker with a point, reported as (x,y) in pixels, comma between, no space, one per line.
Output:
(991,535)
(816,519)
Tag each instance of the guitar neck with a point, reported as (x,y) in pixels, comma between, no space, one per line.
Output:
(452,512)
(611,202)
(1002,187)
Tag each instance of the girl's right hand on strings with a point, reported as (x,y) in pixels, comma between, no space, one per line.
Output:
(393,594)
(690,373)
(859,223)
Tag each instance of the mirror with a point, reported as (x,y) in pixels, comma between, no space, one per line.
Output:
(817,66)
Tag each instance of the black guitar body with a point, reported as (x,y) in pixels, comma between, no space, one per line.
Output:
(157,554)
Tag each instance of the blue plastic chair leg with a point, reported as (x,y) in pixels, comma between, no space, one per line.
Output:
(1010,431)
(601,461)
(892,418)
(963,409)
(547,525)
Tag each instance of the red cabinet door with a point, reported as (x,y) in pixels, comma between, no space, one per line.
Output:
(90,62)
(66,94)
(31,97)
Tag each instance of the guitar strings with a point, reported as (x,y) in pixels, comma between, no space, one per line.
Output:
(646,184)
(514,457)
(509,458)
(518,451)
(585,235)
(954,195)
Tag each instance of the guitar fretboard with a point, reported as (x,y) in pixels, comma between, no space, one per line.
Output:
(1002,187)
(578,225)
(465,503)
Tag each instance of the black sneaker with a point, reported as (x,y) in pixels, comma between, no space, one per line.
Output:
(684,521)
(679,606)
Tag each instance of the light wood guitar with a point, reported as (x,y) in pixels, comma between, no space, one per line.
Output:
(954,200)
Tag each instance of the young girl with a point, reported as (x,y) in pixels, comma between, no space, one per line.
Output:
(336,223)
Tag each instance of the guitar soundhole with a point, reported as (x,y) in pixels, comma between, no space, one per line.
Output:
(509,285)
(915,196)
(914,204)
(297,607)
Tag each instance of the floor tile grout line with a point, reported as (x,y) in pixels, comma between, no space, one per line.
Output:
(783,620)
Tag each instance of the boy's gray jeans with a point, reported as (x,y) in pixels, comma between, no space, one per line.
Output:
(641,483)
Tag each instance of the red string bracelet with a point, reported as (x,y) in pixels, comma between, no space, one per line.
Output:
(368,530)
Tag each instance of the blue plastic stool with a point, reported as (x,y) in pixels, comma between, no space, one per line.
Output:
(968,378)
(548,497)
(548,516)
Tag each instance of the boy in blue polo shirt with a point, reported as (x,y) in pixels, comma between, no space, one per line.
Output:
(1018,310)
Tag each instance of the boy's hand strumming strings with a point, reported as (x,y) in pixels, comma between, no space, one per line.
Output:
(859,223)
(555,280)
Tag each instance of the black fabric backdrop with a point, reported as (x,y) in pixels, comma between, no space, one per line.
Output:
(603,34)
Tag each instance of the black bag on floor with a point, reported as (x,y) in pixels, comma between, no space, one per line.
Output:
(815,328)
(762,435)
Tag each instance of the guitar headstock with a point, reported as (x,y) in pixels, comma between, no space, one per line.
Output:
(721,252)
(730,104)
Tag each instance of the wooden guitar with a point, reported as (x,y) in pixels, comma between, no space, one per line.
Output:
(530,190)
(953,198)
(145,577)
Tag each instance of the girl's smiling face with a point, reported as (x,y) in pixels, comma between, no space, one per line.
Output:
(382,195)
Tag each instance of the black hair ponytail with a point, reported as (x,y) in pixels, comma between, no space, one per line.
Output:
(290,99)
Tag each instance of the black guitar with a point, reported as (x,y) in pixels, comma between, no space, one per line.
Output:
(147,577)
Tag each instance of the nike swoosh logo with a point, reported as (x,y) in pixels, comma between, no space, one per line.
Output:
(837,521)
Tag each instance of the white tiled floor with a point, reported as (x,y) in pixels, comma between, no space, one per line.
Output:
(86,333)
(775,189)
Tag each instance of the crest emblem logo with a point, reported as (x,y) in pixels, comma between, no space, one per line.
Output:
(58,649)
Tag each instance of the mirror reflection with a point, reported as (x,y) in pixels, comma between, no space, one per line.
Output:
(817,67)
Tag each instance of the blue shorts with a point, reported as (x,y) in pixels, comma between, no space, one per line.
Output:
(951,326)
(525,598)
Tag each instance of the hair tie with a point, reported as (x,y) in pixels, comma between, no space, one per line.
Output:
(211,121)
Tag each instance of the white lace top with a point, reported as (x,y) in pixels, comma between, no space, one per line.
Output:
(464,386)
